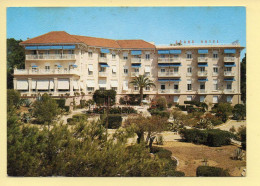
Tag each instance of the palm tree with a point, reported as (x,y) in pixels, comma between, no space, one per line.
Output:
(142,82)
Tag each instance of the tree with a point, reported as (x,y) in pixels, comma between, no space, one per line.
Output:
(243,80)
(89,103)
(45,109)
(223,110)
(142,82)
(15,57)
(239,112)
(161,103)
(13,98)
(102,97)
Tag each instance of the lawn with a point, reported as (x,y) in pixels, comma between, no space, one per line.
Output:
(190,156)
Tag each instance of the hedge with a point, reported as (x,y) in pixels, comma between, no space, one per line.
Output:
(60,102)
(209,171)
(114,121)
(212,137)
(159,113)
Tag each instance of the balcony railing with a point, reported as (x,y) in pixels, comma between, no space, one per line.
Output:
(189,74)
(134,74)
(50,56)
(229,73)
(102,59)
(102,74)
(169,91)
(227,91)
(136,60)
(202,59)
(202,73)
(214,74)
(169,74)
(44,71)
(202,91)
(168,60)
(229,59)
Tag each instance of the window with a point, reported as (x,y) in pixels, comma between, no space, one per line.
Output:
(229,99)
(102,69)
(136,69)
(47,68)
(90,89)
(125,55)
(114,70)
(189,98)
(189,55)
(114,88)
(102,88)
(176,99)
(90,54)
(176,69)
(71,52)
(189,85)
(147,88)
(47,52)
(147,70)
(229,69)
(162,56)
(90,69)
(162,70)
(147,56)
(202,69)
(229,85)
(215,99)
(90,73)
(215,84)
(215,70)
(215,56)
(189,70)
(113,56)
(202,98)
(82,52)
(202,86)
(202,55)
(57,52)
(102,55)
(136,88)
(162,86)
(125,71)
(176,86)
(175,56)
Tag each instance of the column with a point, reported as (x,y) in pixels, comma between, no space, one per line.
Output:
(15,83)
(71,87)
(30,85)
(55,93)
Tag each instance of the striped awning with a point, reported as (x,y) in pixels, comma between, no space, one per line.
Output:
(230,64)
(163,51)
(136,52)
(202,79)
(229,79)
(104,65)
(203,51)
(104,50)
(175,51)
(22,85)
(229,51)
(169,64)
(202,64)
(136,65)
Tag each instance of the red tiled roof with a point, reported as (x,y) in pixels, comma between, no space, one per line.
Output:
(56,37)
(99,42)
(134,44)
(52,37)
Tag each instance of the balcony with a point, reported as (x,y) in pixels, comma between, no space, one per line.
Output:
(189,74)
(228,91)
(50,57)
(169,74)
(102,59)
(169,91)
(45,72)
(134,74)
(202,91)
(168,60)
(229,59)
(102,74)
(214,74)
(202,73)
(202,59)
(136,60)
(229,73)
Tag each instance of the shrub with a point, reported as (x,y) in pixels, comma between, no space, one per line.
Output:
(170,105)
(161,103)
(13,98)
(208,171)
(79,117)
(60,102)
(156,112)
(101,97)
(114,121)
(83,103)
(70,120)
(122,101)
(223,110)
(67,108)
(239,112)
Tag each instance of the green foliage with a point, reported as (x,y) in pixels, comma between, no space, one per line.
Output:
(212,137)
(209,171)
(243,80)
(15,57)
(239,112)
(164,114)
(161,103)
(115,110)
(13,98)
(67,108)
(222,110)
(83,103)
(242,136)
(102,97)
(114,121)
(45,109)
(61,102)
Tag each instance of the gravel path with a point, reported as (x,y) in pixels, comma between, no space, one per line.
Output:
(226,126)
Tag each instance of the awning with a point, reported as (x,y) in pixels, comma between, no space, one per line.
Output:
(125,85)
(90,67)
(22,85)
(203,80)
(176,79)
(59,66)
(163,51)
(202,64)
(114,69)
(104,65)
(75,66)
(229,51)
(137,65)
(203,51)
(90,83)
(51,84)
(175,51)
(147,69)
(104,50)
(136,52)
(31,48)
(229,79)
(114,83)
(169,64)
(63,84)
(69,47)
(229,64)
(44,47)
(34,84)
(56,47)
(34,66)
(102,83)
(75,84)
(42,85)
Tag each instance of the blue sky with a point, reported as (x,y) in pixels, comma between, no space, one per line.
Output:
(163,25)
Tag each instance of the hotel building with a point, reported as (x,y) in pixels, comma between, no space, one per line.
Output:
(61,64)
